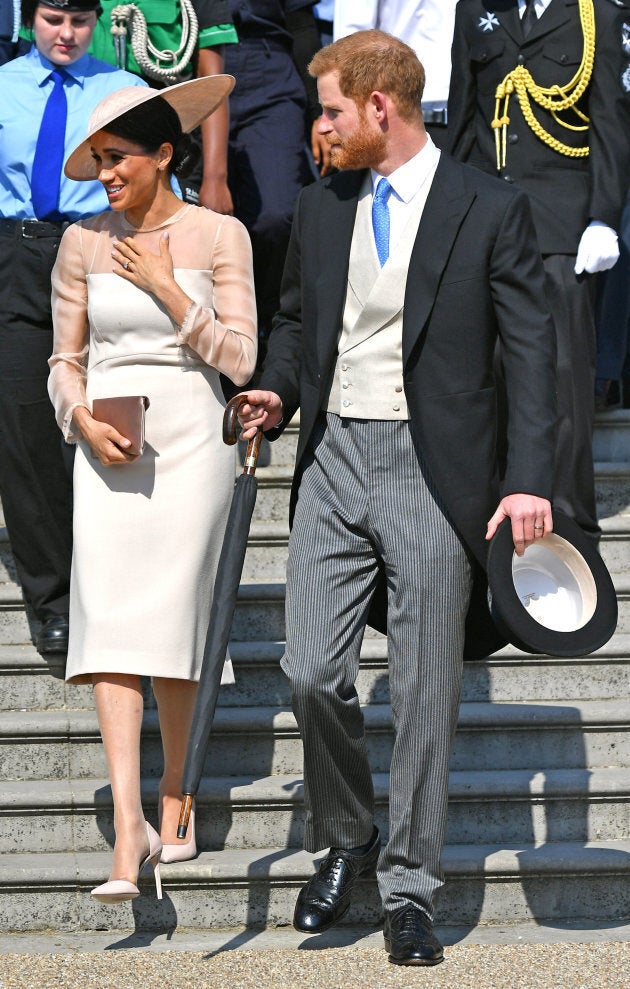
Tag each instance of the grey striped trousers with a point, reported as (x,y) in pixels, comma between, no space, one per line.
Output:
(365,498)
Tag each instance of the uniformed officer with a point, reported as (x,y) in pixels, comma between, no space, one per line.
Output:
(540,96)
(35,485)
(11,45)
(270,116)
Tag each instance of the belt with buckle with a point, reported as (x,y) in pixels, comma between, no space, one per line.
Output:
(32,229)
(435,115)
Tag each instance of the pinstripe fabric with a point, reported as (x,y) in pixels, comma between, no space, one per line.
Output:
(365,498)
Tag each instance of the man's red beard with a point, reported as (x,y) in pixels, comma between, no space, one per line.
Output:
(364,149)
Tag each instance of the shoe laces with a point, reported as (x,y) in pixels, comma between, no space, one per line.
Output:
(411,923)
(331,869)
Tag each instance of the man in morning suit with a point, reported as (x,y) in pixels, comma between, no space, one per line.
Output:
(389,359)
(539,96)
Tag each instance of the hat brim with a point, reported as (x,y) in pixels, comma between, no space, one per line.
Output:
(193,101)
(590,619)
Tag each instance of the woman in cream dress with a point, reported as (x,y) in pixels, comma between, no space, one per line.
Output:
(153,298)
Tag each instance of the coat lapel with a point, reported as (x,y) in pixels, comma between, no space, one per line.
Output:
(337,213)
(447,204)
(506,12)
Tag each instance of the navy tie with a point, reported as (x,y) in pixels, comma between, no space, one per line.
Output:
(49,152)
(529,17)
(380,219)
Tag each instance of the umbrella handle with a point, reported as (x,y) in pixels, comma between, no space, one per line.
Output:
(230,420)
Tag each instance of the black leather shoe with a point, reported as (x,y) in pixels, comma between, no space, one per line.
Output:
(53,635)
(409,938)
(327,896)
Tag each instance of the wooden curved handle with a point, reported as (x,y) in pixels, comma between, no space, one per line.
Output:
(230,418)
(230,423)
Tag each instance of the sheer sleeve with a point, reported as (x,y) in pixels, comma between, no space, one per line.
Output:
(226,335)
(66,383)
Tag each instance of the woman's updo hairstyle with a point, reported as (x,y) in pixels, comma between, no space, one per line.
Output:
(150,125)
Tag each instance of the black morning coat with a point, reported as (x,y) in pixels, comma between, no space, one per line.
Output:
(475,272)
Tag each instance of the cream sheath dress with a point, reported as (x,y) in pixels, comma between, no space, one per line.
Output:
(147,534)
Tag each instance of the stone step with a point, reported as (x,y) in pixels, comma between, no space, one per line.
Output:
(264,741)
(556,881)
(611,436)
(30,682)
(259,613)
(612,487)
(251,812)
(267,546)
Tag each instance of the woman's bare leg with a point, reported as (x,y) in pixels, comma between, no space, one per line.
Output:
(119,707)
(176,701)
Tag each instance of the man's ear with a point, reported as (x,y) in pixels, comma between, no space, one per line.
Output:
(378,105)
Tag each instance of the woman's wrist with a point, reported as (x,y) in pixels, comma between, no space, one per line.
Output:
(81,416)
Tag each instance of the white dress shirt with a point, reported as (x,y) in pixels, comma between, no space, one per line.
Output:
(539,7)
(425,25)
(409,181)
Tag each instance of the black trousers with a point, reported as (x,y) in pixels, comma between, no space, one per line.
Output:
(35,470)
(571,300)
(267,159)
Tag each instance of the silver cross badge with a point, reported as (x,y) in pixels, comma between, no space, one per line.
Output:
(488,23)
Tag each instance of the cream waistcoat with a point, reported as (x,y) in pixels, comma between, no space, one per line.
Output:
(367,382)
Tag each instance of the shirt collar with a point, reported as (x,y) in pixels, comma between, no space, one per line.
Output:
(42,67)
(410,177)
(539,6)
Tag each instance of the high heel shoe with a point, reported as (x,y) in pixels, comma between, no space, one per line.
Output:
(182,852)
(118,890)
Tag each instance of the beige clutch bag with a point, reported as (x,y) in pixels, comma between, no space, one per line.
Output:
(126,414)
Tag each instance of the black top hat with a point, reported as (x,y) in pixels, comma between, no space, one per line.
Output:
(558,597)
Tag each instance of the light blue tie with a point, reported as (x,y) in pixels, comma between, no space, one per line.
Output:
(380,219)
(49,152)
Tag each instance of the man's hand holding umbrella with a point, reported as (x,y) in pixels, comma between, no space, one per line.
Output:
(263,410)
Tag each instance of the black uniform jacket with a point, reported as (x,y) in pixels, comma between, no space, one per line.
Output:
(475,272)
(565,193)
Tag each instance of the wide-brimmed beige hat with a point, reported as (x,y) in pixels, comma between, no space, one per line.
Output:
(193,101)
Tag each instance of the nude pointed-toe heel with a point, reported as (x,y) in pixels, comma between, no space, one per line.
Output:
(119,890)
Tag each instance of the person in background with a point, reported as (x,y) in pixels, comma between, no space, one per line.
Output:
(271,114)
(403,269)
(540,98)
(148,528)
(47,96)
(325,19)
(196,31)
(427,27)
(11,45)
(612,369)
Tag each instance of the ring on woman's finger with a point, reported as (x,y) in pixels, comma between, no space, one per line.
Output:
(539,527)
(126,265)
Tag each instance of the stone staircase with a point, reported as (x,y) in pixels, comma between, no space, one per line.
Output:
(539,822)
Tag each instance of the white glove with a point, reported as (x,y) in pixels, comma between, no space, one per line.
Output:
(598,249)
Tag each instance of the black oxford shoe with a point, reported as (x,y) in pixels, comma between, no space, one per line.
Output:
(327,896)
(409,938)
(53,635)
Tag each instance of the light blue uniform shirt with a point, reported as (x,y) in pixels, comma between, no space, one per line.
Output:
(325,10)
(25,85)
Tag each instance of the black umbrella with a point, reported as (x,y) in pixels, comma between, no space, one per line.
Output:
(223,604)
